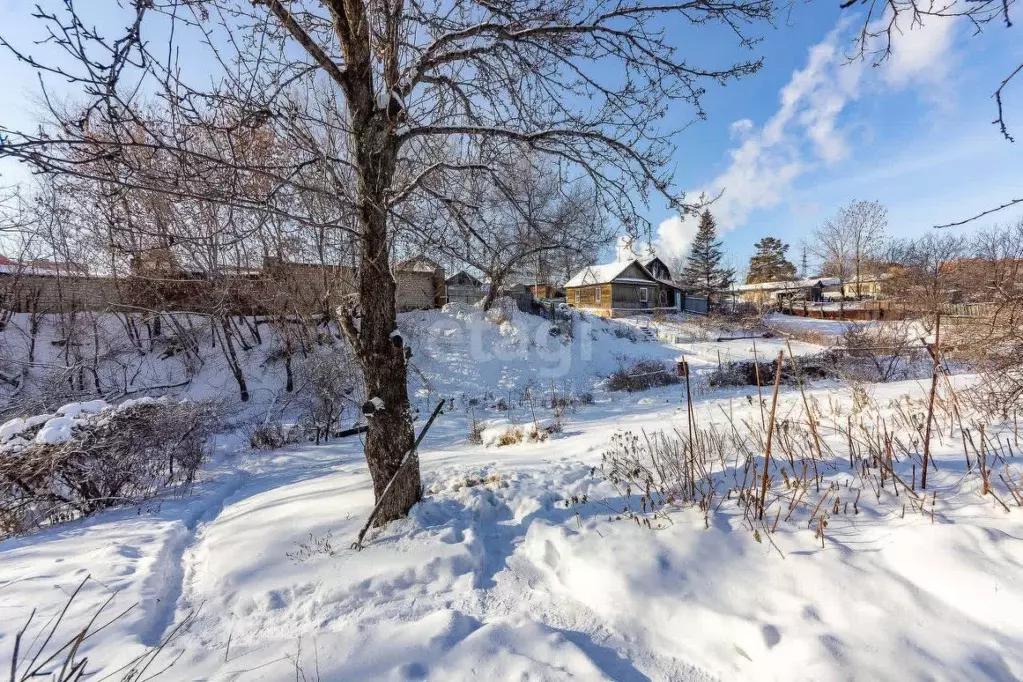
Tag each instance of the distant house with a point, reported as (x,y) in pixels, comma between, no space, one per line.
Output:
(463,288)
(870,286)
(547,291)
(620,288)
(809,289)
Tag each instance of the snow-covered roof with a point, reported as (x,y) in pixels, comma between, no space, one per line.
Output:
(20,269)
(417,264)
(39,267)
(604,274)
(790,284)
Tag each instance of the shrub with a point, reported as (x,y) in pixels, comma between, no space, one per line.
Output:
(664,470)
(641,375)
(476,428)
(511,436)
(621,331)
(881,352)
(535,432)
(90,456)
(326,383)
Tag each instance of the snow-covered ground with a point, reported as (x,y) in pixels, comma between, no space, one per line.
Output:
(794,323)
(516,564)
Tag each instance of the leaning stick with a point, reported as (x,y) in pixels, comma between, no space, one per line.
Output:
(357,545)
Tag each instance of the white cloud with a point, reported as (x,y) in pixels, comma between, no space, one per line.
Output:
(742,127)
(920,53)
(806,130)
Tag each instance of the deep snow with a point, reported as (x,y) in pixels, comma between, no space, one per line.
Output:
(494,576)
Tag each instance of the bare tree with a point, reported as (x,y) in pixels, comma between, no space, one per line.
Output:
(528,220)
(926,281)
(383,108)
(850,239)
(831,244)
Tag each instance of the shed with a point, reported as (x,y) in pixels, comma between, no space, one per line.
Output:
(463,288)
(420,283)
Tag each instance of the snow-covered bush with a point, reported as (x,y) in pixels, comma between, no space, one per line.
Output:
(502,433)
(747,372)
(275,435)
(656,472)
(89,456)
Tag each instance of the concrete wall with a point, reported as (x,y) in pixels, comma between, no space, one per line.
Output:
(292,289)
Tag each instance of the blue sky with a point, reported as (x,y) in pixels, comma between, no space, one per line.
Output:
(813,131)
(807,134)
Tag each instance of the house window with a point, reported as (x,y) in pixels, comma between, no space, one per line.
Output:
(643,295)
(596,294)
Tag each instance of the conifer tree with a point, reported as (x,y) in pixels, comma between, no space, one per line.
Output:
(703,274)
(769,263)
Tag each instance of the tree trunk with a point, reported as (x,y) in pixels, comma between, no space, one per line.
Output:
(390,434)
(859,296)
(495,285)
(227,346)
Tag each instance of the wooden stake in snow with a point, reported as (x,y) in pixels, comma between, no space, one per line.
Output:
(760,394)
(935,368)
(770,433)
(409,456)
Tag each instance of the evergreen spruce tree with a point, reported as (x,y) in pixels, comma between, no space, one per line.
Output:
(769,263)
(703,274)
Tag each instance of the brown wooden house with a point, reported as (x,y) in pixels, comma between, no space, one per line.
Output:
(622,288)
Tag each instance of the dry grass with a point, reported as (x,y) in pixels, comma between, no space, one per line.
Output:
(814,462)
(52,653)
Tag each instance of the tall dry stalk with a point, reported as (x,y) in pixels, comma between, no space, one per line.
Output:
(809,415)
(692,426)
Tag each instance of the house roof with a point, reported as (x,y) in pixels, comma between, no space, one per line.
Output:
(647,262)
(474,280)
(39,267)
(607,273)
(419,263)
